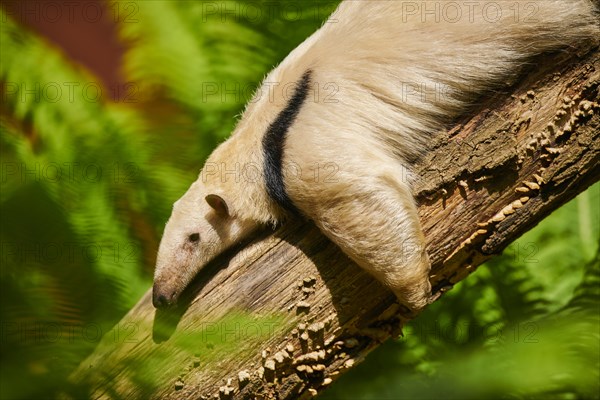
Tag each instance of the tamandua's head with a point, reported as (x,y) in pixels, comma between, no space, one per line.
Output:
(219,210)
(203,224)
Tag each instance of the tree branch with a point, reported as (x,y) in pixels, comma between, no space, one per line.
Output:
(286,314)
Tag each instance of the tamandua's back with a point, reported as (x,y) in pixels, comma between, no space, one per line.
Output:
(404,68)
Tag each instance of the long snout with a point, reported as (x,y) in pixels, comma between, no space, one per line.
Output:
(163,296)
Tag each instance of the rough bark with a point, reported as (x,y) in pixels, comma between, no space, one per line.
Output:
(294,313)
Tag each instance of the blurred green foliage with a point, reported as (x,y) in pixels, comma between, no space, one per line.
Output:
(88,182)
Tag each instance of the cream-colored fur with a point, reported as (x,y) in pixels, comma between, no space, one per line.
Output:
(397,71)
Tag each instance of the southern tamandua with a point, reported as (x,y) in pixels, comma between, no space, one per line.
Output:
(375,53)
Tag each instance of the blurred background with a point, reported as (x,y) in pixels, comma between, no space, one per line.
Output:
(108,112)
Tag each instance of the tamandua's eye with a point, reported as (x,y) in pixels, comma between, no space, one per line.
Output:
(194,237)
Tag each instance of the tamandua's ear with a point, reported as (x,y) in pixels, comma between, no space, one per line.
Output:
(218,204)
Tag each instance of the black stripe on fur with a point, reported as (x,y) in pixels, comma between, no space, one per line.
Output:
(274,141)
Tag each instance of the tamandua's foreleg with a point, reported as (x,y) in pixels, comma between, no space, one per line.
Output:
(373,219)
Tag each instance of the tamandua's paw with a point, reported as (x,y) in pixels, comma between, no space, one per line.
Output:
(416,297)
(415,291)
